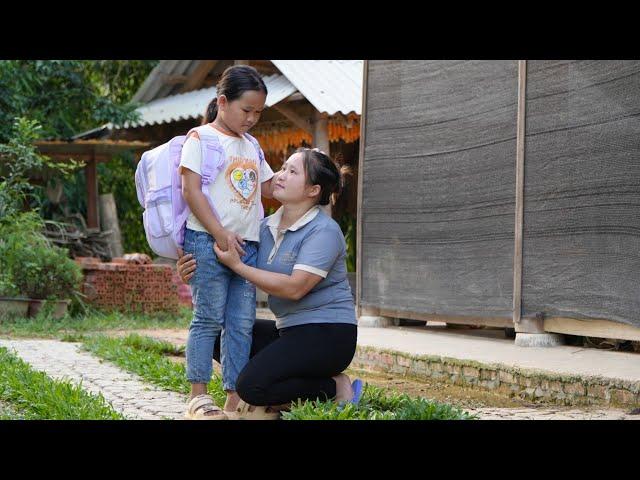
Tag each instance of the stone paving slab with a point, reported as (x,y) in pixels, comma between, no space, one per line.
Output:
(127,393)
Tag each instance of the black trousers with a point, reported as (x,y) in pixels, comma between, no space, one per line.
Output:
(294,363)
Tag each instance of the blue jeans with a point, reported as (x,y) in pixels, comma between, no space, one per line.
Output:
(223,302)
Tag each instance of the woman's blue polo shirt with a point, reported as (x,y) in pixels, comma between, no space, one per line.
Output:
(314,244)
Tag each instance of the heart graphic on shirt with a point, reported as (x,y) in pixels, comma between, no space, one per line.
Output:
(244,180)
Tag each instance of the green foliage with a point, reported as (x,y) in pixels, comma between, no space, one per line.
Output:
(62,98)
(348,225)
(34,396)
(118,80)
(67,96)
(377,404)
(31,265)
(91,321)
(117,177)
(19,161)
(45,272)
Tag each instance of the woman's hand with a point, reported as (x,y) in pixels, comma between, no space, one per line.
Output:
(186,266)
(230,258)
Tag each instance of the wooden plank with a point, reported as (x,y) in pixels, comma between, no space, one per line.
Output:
(297,119)
(196,79)
(174,79)
(592,328)
(461,319)
(517,256)
(93,218)
(363,122)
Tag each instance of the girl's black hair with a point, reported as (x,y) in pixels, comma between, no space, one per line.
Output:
(321,170)
(234,82)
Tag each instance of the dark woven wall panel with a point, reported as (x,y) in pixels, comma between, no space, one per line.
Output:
(581,249)
(439,186)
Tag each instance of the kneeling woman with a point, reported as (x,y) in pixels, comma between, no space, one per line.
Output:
(301,265)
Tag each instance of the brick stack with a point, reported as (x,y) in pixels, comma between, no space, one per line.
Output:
(129,287)
(184,290)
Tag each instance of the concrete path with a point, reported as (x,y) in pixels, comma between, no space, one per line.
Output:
(127,393)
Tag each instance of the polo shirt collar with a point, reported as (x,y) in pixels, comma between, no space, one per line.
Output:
(274,220)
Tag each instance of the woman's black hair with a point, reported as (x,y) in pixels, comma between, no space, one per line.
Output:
(234,82)
(321,170)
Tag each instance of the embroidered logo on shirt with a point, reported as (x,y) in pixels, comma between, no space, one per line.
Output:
(242,177)
(288,257)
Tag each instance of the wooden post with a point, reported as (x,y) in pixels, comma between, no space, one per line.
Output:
(91,174)
(296,119)
(109,221)
(517,252)
(360,187)
(321,141)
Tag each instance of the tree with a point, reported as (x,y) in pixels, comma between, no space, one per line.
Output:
(67,97)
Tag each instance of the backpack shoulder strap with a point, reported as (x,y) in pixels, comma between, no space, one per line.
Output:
(256,145)
(212,153)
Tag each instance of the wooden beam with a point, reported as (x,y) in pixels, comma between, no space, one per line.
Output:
(174,79)
(517,256)
(93,216)
(241,62)
(320,131)
(197,77)
(294,97)
(505,322)
(592,328)
(363,122)
(298,120)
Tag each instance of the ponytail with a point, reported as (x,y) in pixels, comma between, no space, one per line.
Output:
(321,170)
(211,112)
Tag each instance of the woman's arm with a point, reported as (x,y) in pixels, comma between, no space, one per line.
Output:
(291,287)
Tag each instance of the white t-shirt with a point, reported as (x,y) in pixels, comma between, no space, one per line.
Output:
(236,190)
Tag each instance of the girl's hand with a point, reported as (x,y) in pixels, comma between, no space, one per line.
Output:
(186,266)
(230,258)
(229,240)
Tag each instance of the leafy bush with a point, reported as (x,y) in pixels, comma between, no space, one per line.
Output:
(46,272)
(31,266)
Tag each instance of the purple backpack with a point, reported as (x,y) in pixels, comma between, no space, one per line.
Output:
(159,188)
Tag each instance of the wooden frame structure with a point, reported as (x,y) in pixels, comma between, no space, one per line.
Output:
(90,152)
(592,327)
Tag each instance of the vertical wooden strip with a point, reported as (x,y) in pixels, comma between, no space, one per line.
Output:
(363,123)
(517,254)
(91,175)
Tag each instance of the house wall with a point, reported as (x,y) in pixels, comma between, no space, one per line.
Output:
(438,198)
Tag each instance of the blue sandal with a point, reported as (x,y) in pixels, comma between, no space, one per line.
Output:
(357,391)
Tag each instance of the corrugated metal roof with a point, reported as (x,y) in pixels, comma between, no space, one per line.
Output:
(154,85)
(330,85)
(192,104)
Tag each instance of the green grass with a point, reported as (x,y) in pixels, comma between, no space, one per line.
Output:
(147,357)
(32,395)
(93,321)
(378,404)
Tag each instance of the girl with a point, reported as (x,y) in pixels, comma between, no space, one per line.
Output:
(301,265)
(223,301)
